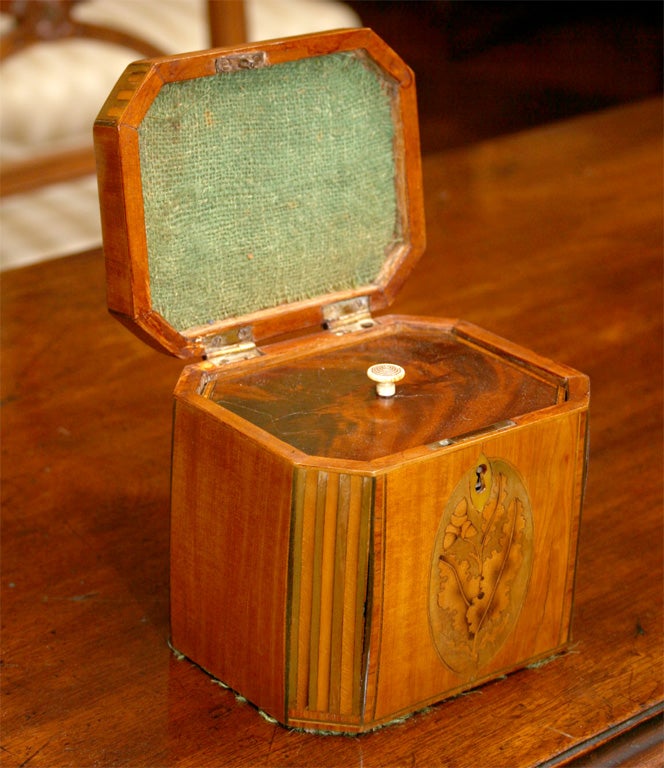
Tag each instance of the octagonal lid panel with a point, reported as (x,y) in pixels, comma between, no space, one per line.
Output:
(254,186)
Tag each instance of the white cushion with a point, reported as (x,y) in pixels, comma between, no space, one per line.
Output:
(52,92)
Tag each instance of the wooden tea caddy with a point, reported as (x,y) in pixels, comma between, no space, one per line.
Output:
(339,558)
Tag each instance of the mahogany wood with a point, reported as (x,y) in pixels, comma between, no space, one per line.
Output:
(50,169)
(228,22)
(394,543)
(202,540)
(296,449)
(123,216)
(313,395)
(569,217)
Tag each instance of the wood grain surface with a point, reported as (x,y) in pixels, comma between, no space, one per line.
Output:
(126,222)
(451,388)
(551,238)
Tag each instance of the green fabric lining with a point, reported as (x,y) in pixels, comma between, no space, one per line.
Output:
(267,186)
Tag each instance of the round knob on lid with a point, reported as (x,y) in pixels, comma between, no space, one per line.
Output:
(385,375)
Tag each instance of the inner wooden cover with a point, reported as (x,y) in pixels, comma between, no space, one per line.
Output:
(324,404)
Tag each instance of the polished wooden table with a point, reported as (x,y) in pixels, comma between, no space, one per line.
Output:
(552,238)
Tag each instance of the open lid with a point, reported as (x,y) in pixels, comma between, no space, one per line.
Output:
(255,186)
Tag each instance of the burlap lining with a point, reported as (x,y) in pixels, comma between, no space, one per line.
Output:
(267,186)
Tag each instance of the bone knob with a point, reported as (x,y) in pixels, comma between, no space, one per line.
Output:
(386,375)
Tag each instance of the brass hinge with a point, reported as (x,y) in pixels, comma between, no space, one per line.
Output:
(236,344)
(348,316)
(235,62)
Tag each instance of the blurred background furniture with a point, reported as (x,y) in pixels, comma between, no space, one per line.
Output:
(60,59)
(483,69)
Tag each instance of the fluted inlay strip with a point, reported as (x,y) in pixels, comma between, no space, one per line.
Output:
(329,577)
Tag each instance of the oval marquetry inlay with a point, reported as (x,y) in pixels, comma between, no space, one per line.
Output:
(481,565)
